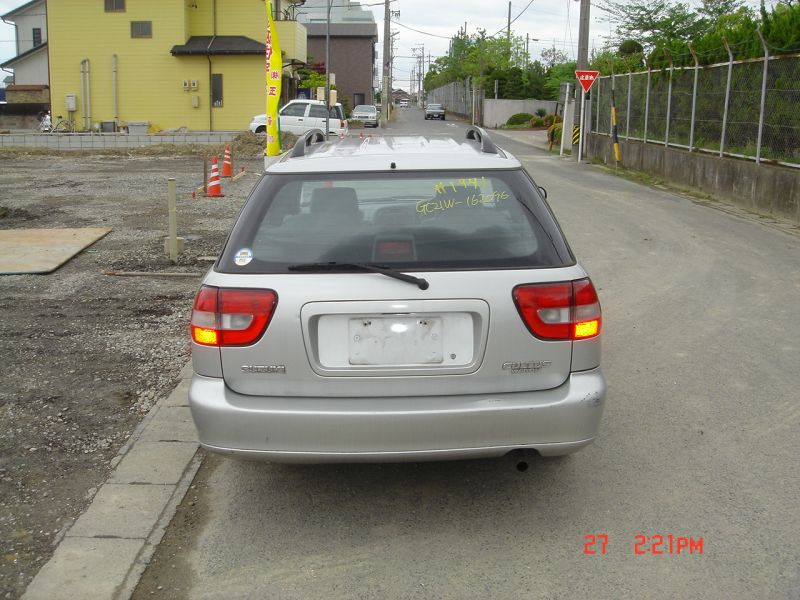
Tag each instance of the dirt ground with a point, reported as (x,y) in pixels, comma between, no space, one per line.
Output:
(84,354)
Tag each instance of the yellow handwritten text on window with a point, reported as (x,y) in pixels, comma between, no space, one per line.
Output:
(445,204)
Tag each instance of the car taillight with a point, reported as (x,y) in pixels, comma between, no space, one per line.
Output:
(231,317)
(567,310)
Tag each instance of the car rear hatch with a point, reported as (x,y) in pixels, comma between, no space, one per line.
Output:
(386,337)
(495,314)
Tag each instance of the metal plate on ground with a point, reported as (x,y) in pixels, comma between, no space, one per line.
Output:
(24,251)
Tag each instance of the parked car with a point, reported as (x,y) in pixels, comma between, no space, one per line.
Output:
(395,299)
(300,116)
(434,111)
(367,114)
(403,103)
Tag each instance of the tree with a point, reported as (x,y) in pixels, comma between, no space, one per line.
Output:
(629,47)
(712,10)
(558,74)
(653,22)
(312,80)
(553,56)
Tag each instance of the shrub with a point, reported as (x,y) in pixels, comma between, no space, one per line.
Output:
(519,119)
(541,112)
(554,134)
(551,119)
(537,122)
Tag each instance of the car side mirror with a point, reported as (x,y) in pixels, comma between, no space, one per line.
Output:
(543,192)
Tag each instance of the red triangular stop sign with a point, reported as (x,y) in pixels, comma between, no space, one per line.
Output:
(586,78)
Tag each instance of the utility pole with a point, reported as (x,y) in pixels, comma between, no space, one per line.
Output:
(508,31)
(482,33)
(386,93)
(327,72)
(583,64)
(421,83)
(422,75)
(528,40)
(391,61)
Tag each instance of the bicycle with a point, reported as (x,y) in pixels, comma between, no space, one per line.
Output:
(64,126)
(45,124)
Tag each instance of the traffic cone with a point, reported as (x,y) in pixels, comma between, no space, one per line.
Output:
(214,185)
(227,163)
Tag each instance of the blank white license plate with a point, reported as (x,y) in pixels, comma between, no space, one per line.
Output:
(395,341)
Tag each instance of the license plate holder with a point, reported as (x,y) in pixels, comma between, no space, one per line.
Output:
(395,341)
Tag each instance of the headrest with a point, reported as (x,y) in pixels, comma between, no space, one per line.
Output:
(341,200)
(394,215)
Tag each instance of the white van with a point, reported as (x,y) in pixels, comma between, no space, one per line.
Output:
(300,116)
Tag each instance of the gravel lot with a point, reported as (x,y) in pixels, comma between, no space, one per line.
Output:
(86,354)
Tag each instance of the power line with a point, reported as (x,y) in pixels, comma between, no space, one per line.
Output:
(444,37)
(515,18)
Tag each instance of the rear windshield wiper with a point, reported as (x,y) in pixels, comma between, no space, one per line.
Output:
(343,266)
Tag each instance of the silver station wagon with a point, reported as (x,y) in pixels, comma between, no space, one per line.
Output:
(396,299)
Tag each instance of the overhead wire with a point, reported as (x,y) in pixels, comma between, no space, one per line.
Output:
(444,37)
(514,19)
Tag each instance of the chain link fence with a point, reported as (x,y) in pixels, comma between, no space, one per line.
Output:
(457,97)
(749,109)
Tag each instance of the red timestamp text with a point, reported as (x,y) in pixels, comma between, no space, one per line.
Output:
(655,545)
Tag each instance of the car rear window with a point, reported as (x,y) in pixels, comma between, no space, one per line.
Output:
(422,221)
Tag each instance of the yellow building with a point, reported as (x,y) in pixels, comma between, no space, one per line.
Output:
(197,64)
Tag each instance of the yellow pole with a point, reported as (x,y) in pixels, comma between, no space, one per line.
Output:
(274,75)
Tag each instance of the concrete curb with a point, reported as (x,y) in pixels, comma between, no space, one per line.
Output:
(104,553)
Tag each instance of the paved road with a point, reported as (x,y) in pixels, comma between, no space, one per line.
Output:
(699,439)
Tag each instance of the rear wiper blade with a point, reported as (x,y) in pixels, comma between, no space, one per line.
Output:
(344,266)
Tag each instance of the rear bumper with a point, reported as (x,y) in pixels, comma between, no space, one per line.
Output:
(315,430)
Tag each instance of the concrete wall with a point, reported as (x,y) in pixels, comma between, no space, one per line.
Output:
(762,188)
(497,112)
(109,141)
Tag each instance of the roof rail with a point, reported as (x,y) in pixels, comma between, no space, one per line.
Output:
(313,136)
(487,145)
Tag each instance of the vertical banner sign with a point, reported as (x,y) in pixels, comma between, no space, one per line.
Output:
(274,72)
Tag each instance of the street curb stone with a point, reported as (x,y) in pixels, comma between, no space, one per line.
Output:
(103,554)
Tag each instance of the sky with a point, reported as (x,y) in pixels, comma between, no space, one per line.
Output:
(548,23)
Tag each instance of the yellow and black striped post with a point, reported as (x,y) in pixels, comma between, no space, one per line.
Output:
(614,138)
(576,134)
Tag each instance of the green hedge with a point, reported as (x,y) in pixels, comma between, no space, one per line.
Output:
(519,119)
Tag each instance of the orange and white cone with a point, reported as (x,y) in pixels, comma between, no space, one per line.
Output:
(227,163)
(214,185)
